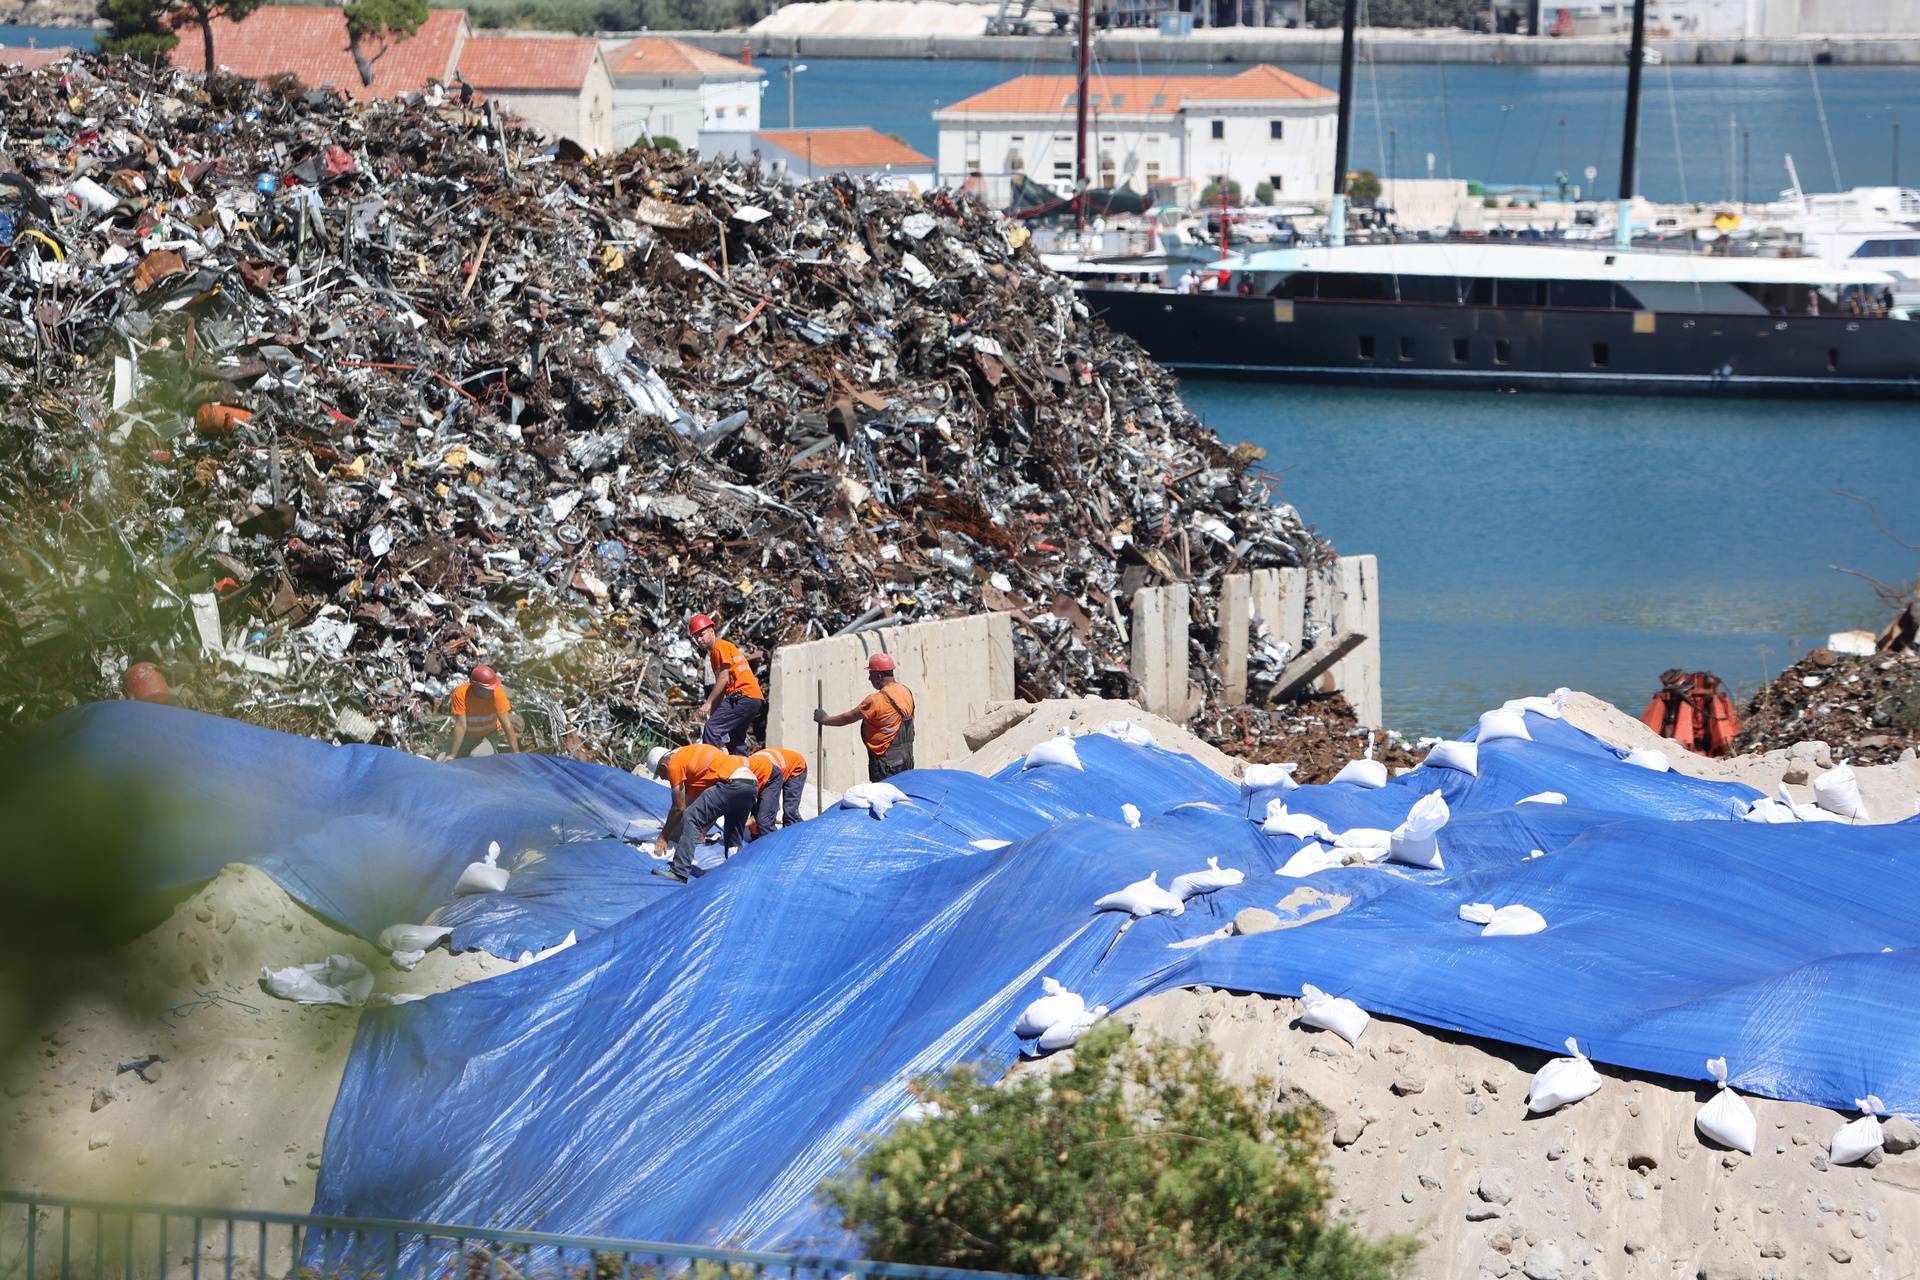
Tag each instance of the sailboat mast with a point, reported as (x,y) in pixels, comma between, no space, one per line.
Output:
(1080,122)
(1636,55)
(1343,128)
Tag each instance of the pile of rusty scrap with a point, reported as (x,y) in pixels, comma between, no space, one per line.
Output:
(1317,731)
(1864,705)
(316,404)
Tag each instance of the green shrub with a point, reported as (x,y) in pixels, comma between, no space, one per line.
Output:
(1137,1161)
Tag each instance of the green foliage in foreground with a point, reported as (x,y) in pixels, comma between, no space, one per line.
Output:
(1137,1161)
(588,16)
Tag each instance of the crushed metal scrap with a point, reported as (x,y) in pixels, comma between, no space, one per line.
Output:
(1866,706)
(316,404)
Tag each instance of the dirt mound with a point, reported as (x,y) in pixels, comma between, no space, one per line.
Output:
(1319,732)
(235,1110)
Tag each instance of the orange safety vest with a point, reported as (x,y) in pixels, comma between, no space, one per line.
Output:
(480,709)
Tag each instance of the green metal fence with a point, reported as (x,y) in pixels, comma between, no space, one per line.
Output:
(56,1238)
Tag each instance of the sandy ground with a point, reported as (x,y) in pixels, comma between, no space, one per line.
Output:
(1431,1137)
(236,1113)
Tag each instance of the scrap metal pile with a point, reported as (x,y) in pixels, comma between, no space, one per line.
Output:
(316,404)
(1866,706)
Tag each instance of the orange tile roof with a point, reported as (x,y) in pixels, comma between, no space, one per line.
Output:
(665,56)
(310,44)
(1137,95)
(852,148)
(504,64)
(31,58)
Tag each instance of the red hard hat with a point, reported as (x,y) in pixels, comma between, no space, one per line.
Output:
(486,677)
(699,622)
(144,683)
(880,662)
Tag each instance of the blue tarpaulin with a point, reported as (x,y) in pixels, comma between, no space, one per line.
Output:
(697,1065)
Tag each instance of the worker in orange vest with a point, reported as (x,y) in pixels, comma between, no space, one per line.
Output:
(736,699)
(781,776)
(886,721)
(709,786)
(481,711)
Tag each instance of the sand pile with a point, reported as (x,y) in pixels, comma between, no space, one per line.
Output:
(1431,1137)
(236,1112)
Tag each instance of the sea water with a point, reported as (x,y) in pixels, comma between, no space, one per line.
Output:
(1530,541)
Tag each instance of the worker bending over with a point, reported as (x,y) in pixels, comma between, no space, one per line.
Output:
(481,710)
(886,721)
(709,786)
(782,777)
(736,700)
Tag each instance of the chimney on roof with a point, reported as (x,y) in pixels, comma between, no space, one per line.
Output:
(746,52)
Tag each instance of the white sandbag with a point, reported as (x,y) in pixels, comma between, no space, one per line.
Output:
(1366,772)
(413,937)
(1553,708)
(1128,732)
(1726,1118)
(1480,913)
(530,957)
(1312,859)
(1332,1013)
(1514,921)
(988,846)
(1301,826)
(1370,843)
(1055,1004)
(1562,1081)
(1650,758)
(1858,1140)
(918,1111)
(336,980)
(1542,797)
(1054,751)
(1502,723)
(1142,898)
(1215,877)
(1064,1034)
(484,877)
(1448,754)
(875,797)
(1415,842)
(404,960)
(1770,811)
(1131,813)
(1838,791)
(1261,777)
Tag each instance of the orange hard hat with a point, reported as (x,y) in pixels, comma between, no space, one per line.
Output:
(699,622)
(486,677)
(880,662)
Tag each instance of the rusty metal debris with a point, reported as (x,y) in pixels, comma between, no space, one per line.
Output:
(315,403)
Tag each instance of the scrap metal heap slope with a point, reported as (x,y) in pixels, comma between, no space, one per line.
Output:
(495,398)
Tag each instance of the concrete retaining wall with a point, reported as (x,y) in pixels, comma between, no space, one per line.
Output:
(955,668)
(1248,45)
(1290,605)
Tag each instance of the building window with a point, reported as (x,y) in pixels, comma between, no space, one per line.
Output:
(1406,347)
(1833,359)
(1153,171)
(1016,163)
(1219,130)
(1279,182)
(1459,350)
(1276,129)
(973,168)
(1017,139)
(1366,346)
(1502,351)
(1159,100)
(1118,98)
(1063,171)
(1601,356)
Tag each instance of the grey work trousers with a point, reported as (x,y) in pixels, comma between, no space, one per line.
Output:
(729,802)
